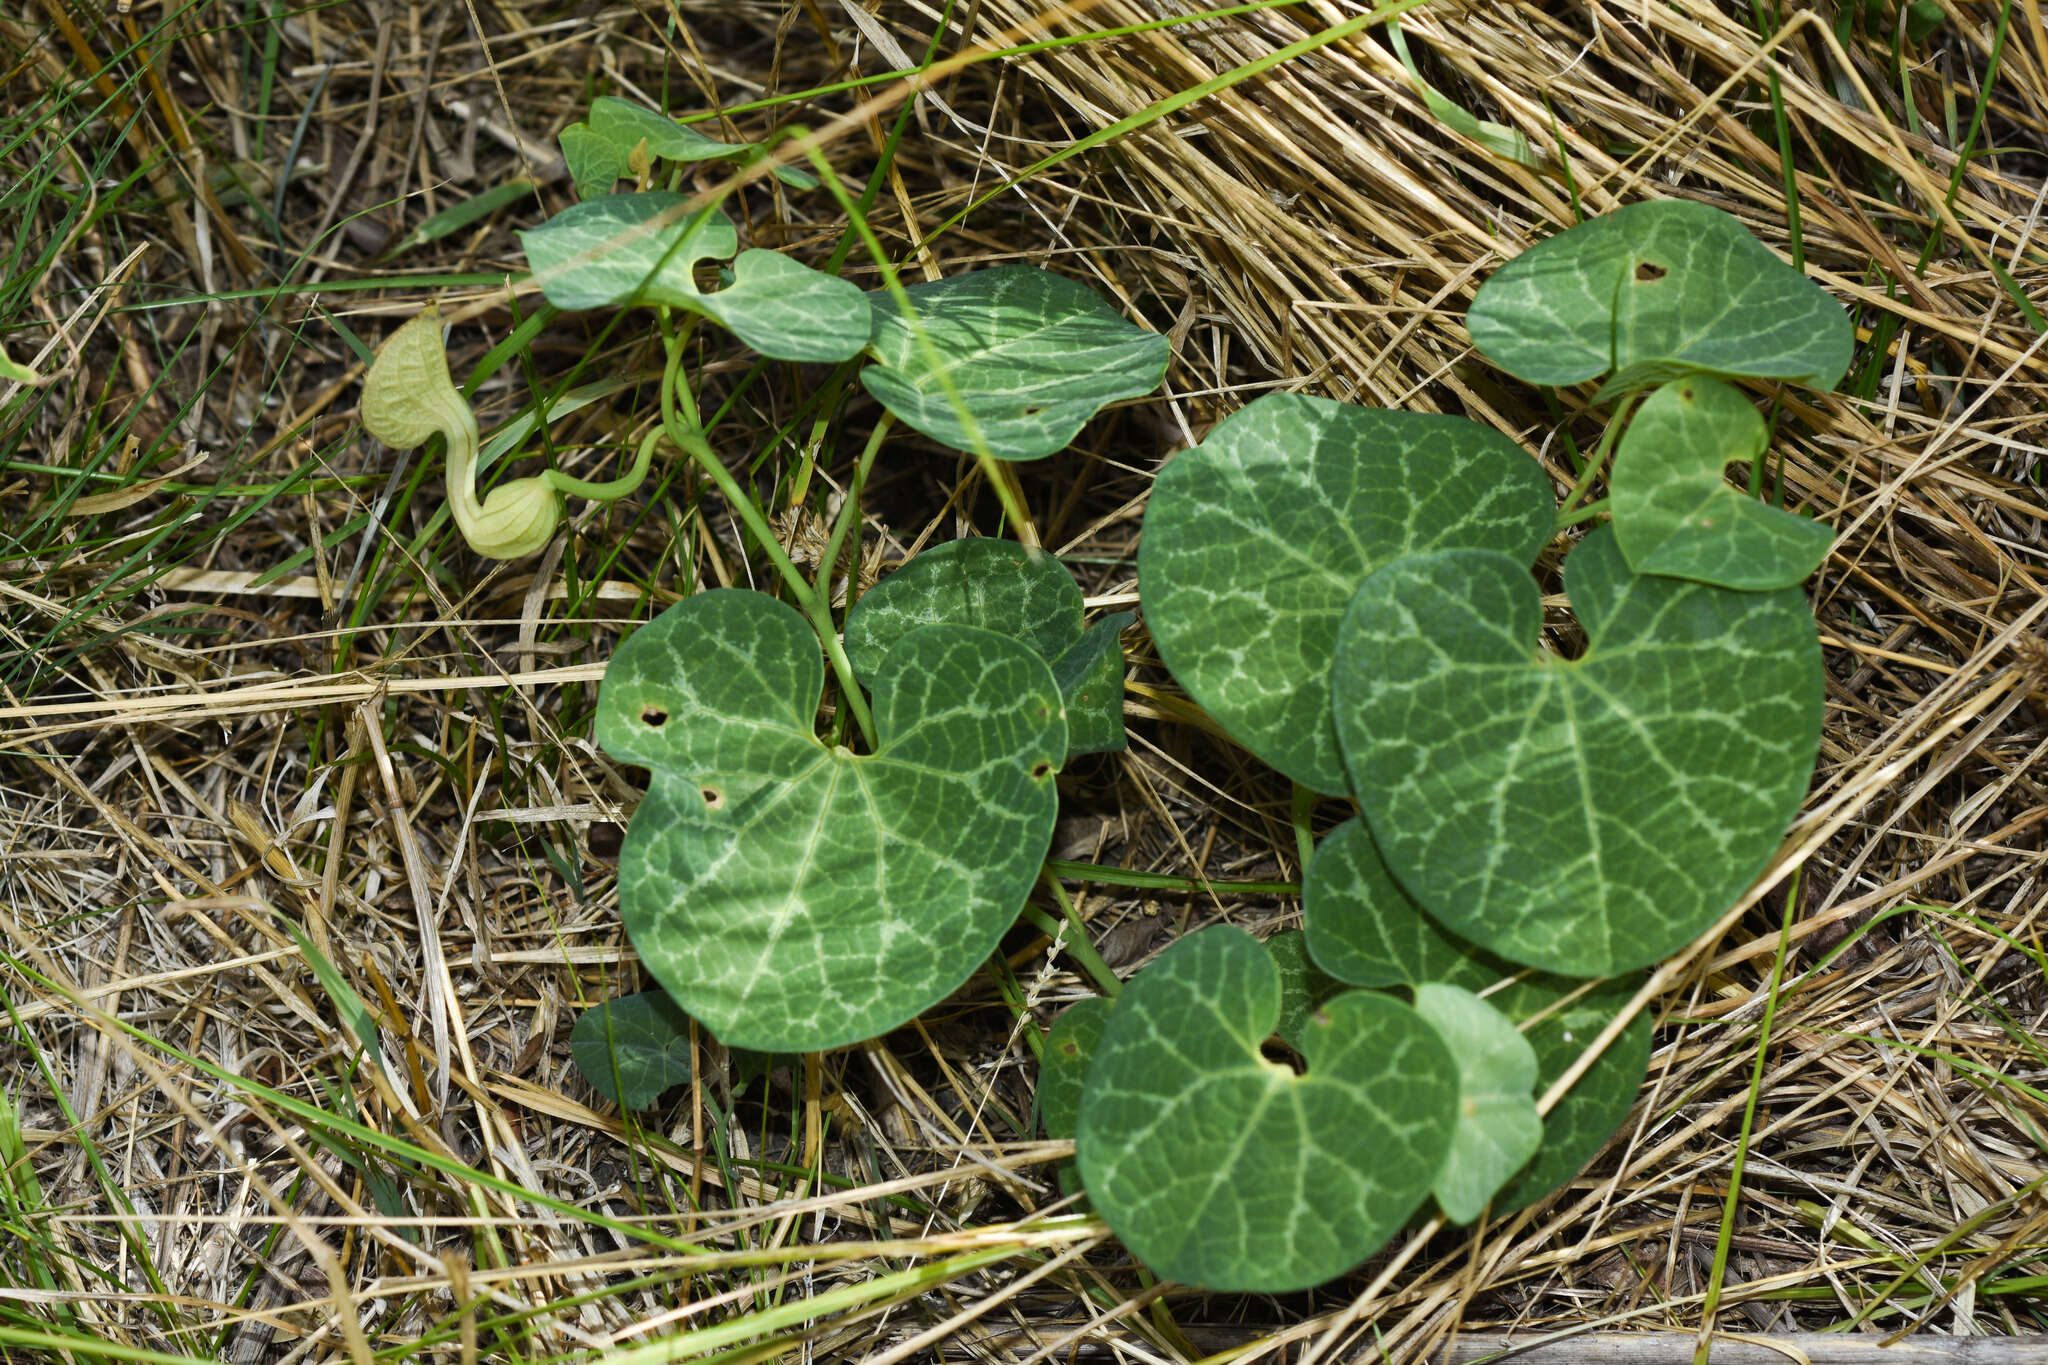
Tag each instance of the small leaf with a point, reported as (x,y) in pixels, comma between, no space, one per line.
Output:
(1063,1067)
(1020,592)
(632,1048)
(1303,985)
(1587,1115)
(1676,515)
(621,249)
(1362,928)
(1220,1168)
(1016,356)
(595,162)
(1256,540)
(1498,1127)
(794,896)
(15,373)
(1657,291)
(1582,816)
(785,309)
(625,125)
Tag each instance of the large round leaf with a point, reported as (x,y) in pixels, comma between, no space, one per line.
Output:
(1220,1168)
(1012,360)
(1256,540)
(1022,592)
(1579,1125)
(1653,291)
(1676,515)
(1583,816)
(794,896)
(1498,1128)
(1362,928)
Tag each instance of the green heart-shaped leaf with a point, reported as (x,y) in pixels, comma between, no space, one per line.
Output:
(1016,356)
(1362,928)
(597,151)
(1587,1115)
(620,249)
(785,309)
(1583,816)
(1255,541)
(632,1048)
(1654,291)
(1674,513)
(1222,1169)
(1021,592)
(1303,985)
(1498,1127)
(794,896)
(595,161)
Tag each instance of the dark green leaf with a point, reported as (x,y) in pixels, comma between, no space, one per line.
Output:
(633,1048)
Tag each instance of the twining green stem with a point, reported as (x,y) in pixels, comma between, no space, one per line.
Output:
(679,418)
(408,396)
(1586,513)
(1078,944)
(1595,463)
(999,476)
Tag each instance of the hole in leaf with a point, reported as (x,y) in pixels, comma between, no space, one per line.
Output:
(1648,272)
(653,717)
(1279,1054)
(1034,409)
(1041,770)
(714,799)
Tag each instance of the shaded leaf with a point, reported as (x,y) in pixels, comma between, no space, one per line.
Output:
(794,896)
(632,1048)
(1674,512)
(1588,1114)
(1303,985)
(1021,592)
(1256,540)
(1063,1067)
(1361,927)
(1498,1128)
(1222,1169)
(1016,356)
(1656,291)
(1582,816)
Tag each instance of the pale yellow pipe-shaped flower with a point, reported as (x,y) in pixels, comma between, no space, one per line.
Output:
(408,396)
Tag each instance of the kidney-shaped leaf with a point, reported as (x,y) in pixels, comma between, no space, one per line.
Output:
(1256,540)
(1498,1128)
(620,249)
(1017,356)
(794,896)
(632,1048)
(1588,1113)
(1653,291)
(1361,927)
(1220,1168)
(1022,592)
(1674,513)
(1583,816)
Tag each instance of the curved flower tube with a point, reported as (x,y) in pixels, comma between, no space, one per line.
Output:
(408,396)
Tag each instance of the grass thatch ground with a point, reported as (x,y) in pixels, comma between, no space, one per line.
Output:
(252,680)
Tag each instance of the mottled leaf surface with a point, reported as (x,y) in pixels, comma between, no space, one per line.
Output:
(1582,816)
(1362,928)
(597,150)
(785,309)
(620,249)
(1256,540)
(1654,291)
(1676,515)
(1498,1128)
(794,896)
(1220,1168)
(1022,592)
(1063,1067)
(1015,356)
(1588,1114)
(632,1048)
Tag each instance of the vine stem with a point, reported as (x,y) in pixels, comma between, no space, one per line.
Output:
(1565,513)
(679,418)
